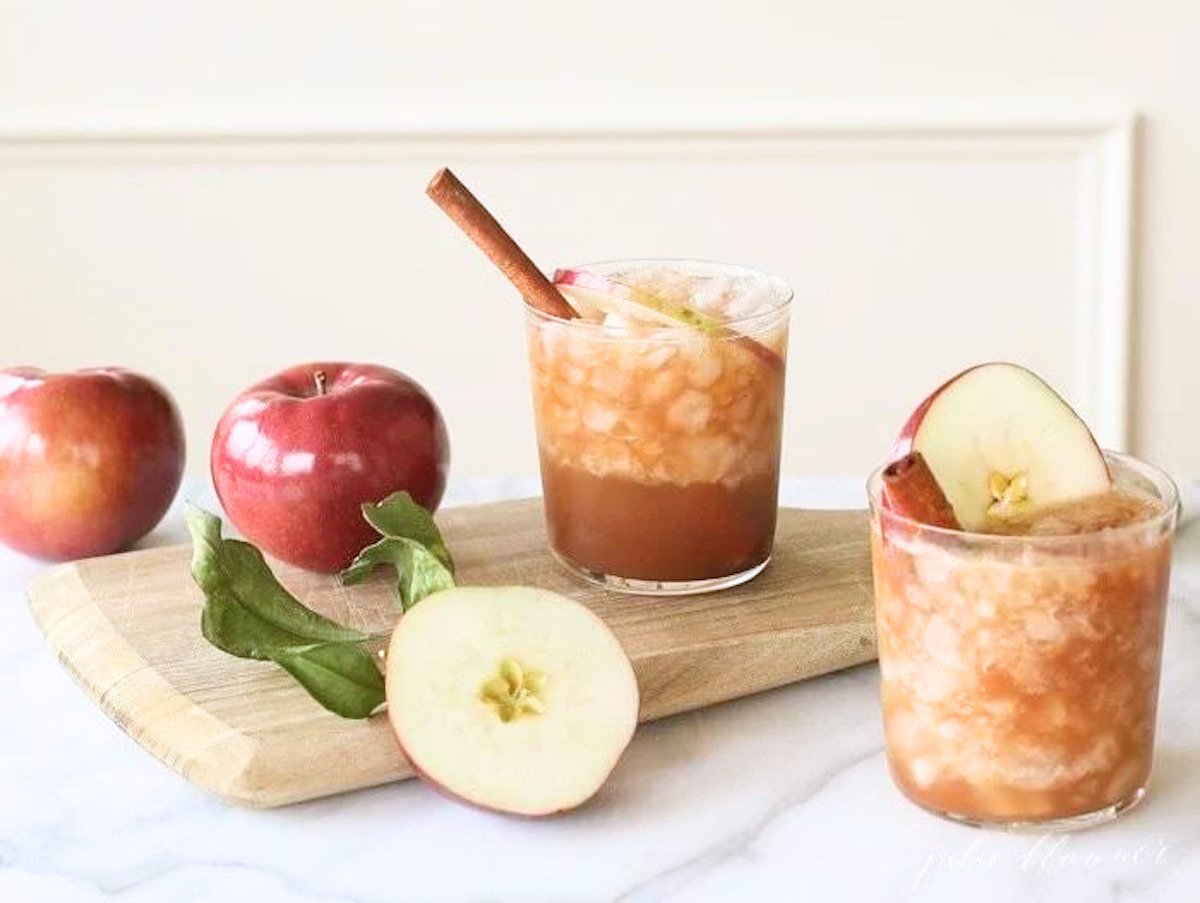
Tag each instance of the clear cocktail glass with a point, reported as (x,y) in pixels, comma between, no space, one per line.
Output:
(659,445)
(1019,673)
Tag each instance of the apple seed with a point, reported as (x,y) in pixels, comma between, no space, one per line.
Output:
(513,691)
(1009,494)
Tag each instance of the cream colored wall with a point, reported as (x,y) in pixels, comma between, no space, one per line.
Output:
(211,194)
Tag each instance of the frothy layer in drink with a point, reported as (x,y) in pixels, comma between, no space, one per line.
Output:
(728,296)
(1091,514)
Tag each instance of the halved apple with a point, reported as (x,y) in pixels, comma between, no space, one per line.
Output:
(514,699)
(1000,442)
(593,294)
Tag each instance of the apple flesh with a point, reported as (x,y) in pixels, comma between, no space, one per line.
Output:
(295,456)
(593,296)
(1001,442)
(513,699)
(89,461)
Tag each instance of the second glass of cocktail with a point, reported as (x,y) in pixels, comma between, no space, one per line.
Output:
(1021,582)
(659,413)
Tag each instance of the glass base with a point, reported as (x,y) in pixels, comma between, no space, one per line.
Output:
(1081,822)
(660,587)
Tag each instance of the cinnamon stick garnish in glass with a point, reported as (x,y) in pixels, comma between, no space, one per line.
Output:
(481,227)
(910,489)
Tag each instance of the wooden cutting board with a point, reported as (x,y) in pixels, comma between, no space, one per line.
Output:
(128,628)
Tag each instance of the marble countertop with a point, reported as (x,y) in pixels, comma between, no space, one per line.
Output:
(783,796)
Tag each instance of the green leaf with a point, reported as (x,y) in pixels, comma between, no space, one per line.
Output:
(400,517)
(342,677)
(248,613)
(418,571)
(247,602)
(411,543)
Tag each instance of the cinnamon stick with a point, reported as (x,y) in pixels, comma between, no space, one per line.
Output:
(910,489)
(481,227)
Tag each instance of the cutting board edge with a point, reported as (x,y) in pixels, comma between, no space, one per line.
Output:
(254,785)
(229,755)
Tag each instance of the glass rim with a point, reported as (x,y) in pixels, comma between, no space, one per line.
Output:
(781,305)
(1163,484)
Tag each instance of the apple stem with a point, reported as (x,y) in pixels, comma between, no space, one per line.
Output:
(319,379)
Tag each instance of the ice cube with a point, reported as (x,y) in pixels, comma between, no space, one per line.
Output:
(711,457)
(662,385)
(600,418)
(923,770)
(757,297)
(941,642)
(690,412)
(662,282)
(617,323)
(934,568)
(714,293)
(704,370)
(658,357)
(613,381)
(1043,626)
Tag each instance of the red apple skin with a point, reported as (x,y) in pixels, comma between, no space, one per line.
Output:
(908,433)
(89,461)
(293,466)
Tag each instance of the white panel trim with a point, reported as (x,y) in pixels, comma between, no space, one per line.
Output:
(1102,144)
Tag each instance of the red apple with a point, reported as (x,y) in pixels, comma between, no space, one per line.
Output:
(1000,441)
(296,455)
(89,461)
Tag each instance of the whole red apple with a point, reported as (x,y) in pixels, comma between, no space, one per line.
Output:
(296,455)
(89,461)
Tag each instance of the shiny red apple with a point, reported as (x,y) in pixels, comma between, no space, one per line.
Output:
(89,461)
(296,455)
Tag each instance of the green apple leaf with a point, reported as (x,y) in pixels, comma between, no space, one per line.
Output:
(419,572)
(411,543)
(401,517)
(247,603)
(343,677)
(248,613)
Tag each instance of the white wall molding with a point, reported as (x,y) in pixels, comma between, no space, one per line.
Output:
(578,121)
(1101,144)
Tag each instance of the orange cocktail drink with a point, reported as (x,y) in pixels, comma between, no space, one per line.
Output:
(1020,668)
(659,441)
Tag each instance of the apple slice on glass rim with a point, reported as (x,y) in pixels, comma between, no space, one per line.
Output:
(1000,441)
(598,297)
(513,699)
(594,295)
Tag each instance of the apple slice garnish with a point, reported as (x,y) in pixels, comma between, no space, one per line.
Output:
(592,294)
(1001,442)
(599,297)
(513,699)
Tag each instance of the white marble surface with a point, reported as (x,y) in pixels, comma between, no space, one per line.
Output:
(780,797)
